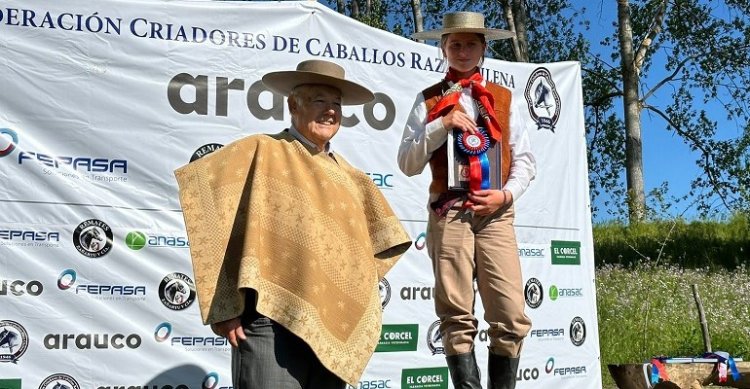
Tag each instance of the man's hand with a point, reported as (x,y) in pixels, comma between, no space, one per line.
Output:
(460,120)
(232,330)
(488,201)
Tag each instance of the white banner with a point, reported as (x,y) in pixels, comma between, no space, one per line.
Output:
(101,101)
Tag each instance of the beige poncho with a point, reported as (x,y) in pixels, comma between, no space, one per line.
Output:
(312,235)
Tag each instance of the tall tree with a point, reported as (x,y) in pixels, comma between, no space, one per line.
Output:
(687,63)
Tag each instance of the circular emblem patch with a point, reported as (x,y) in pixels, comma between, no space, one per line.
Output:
(93,238)
(533,293)
(384,288)
(577,331)
(59,381)
(435,339)
(14,340)
(177,291)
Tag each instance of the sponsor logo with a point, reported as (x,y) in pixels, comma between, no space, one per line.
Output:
(421,241)
(384,288)
(210,381)
(19,288)
(67,279)
(163,333)
(417,293)
(381,180)
(530,252)
(95,169)
(8,141)
(166,386)
(177,291)
(566,252)
(10,383)
(29,238)
(542,99)
(577,331)
(372,384)
(547,334)
(136,240)
(526,374)
(555,292)
(93,238)
(534,293)
(91,341)
(564,372)
(14,340)
(435,339)
(205,150)
(398,337)
(59,381)
(425,378)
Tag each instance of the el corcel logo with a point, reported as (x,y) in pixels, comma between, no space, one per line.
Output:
(20,287)
(381,180)
(8,141)
(91,341)
(421,241)
(66,279)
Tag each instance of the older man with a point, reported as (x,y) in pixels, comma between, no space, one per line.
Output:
(289,242)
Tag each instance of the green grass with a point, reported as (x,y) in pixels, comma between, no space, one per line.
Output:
(647,310)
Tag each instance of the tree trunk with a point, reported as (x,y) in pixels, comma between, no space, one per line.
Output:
(416,9)
(355,10)
(519,22)
(340,7)
(633,107)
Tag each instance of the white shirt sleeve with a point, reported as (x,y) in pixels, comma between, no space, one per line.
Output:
(523,168)
(419,140)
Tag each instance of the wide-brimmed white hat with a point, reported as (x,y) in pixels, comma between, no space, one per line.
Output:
(316,71)
(454,22)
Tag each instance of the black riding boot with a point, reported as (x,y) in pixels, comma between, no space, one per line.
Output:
(464,371)
(502,372)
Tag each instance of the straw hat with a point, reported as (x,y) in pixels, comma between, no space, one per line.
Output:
(319,72)
(464,22)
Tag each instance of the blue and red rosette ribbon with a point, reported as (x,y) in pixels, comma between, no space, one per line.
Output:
(474,147)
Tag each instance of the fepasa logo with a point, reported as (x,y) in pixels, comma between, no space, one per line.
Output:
(421,241)
(163,333)
(136,240)
(564,372)
(67,280)
(381,180)
(212,380)
(8,141)
(29,238)
(547,334)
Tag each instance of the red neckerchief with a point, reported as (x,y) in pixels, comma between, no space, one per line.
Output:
(478,92)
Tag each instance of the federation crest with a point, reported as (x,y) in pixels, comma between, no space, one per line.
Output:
(59,381)
(14,340)
(93,238)
(384,288)
(577,331)
(435,339)
(542,99)
(176,291)
(205,150)
(534,293)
